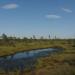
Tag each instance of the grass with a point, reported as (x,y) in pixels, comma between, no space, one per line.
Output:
(61,63)
(23,46)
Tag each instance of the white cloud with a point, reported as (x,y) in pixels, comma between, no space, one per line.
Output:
(67,10)
(53,16)
(10,6)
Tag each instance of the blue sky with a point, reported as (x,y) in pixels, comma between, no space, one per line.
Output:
(38,17)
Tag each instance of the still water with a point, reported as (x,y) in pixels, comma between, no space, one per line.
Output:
(25,59)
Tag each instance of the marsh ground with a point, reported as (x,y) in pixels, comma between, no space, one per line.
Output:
(61,63)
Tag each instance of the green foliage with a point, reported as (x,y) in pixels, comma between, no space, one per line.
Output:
(4,37)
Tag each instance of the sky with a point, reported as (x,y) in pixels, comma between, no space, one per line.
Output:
(38,17)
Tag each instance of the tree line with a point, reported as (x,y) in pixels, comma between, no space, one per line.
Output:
(10,40)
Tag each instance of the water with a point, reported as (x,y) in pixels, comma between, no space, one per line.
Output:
(33,53)
(25,59)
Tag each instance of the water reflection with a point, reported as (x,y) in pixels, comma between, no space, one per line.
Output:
(23,60)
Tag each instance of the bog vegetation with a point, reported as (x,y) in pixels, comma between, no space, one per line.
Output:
(62,63)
